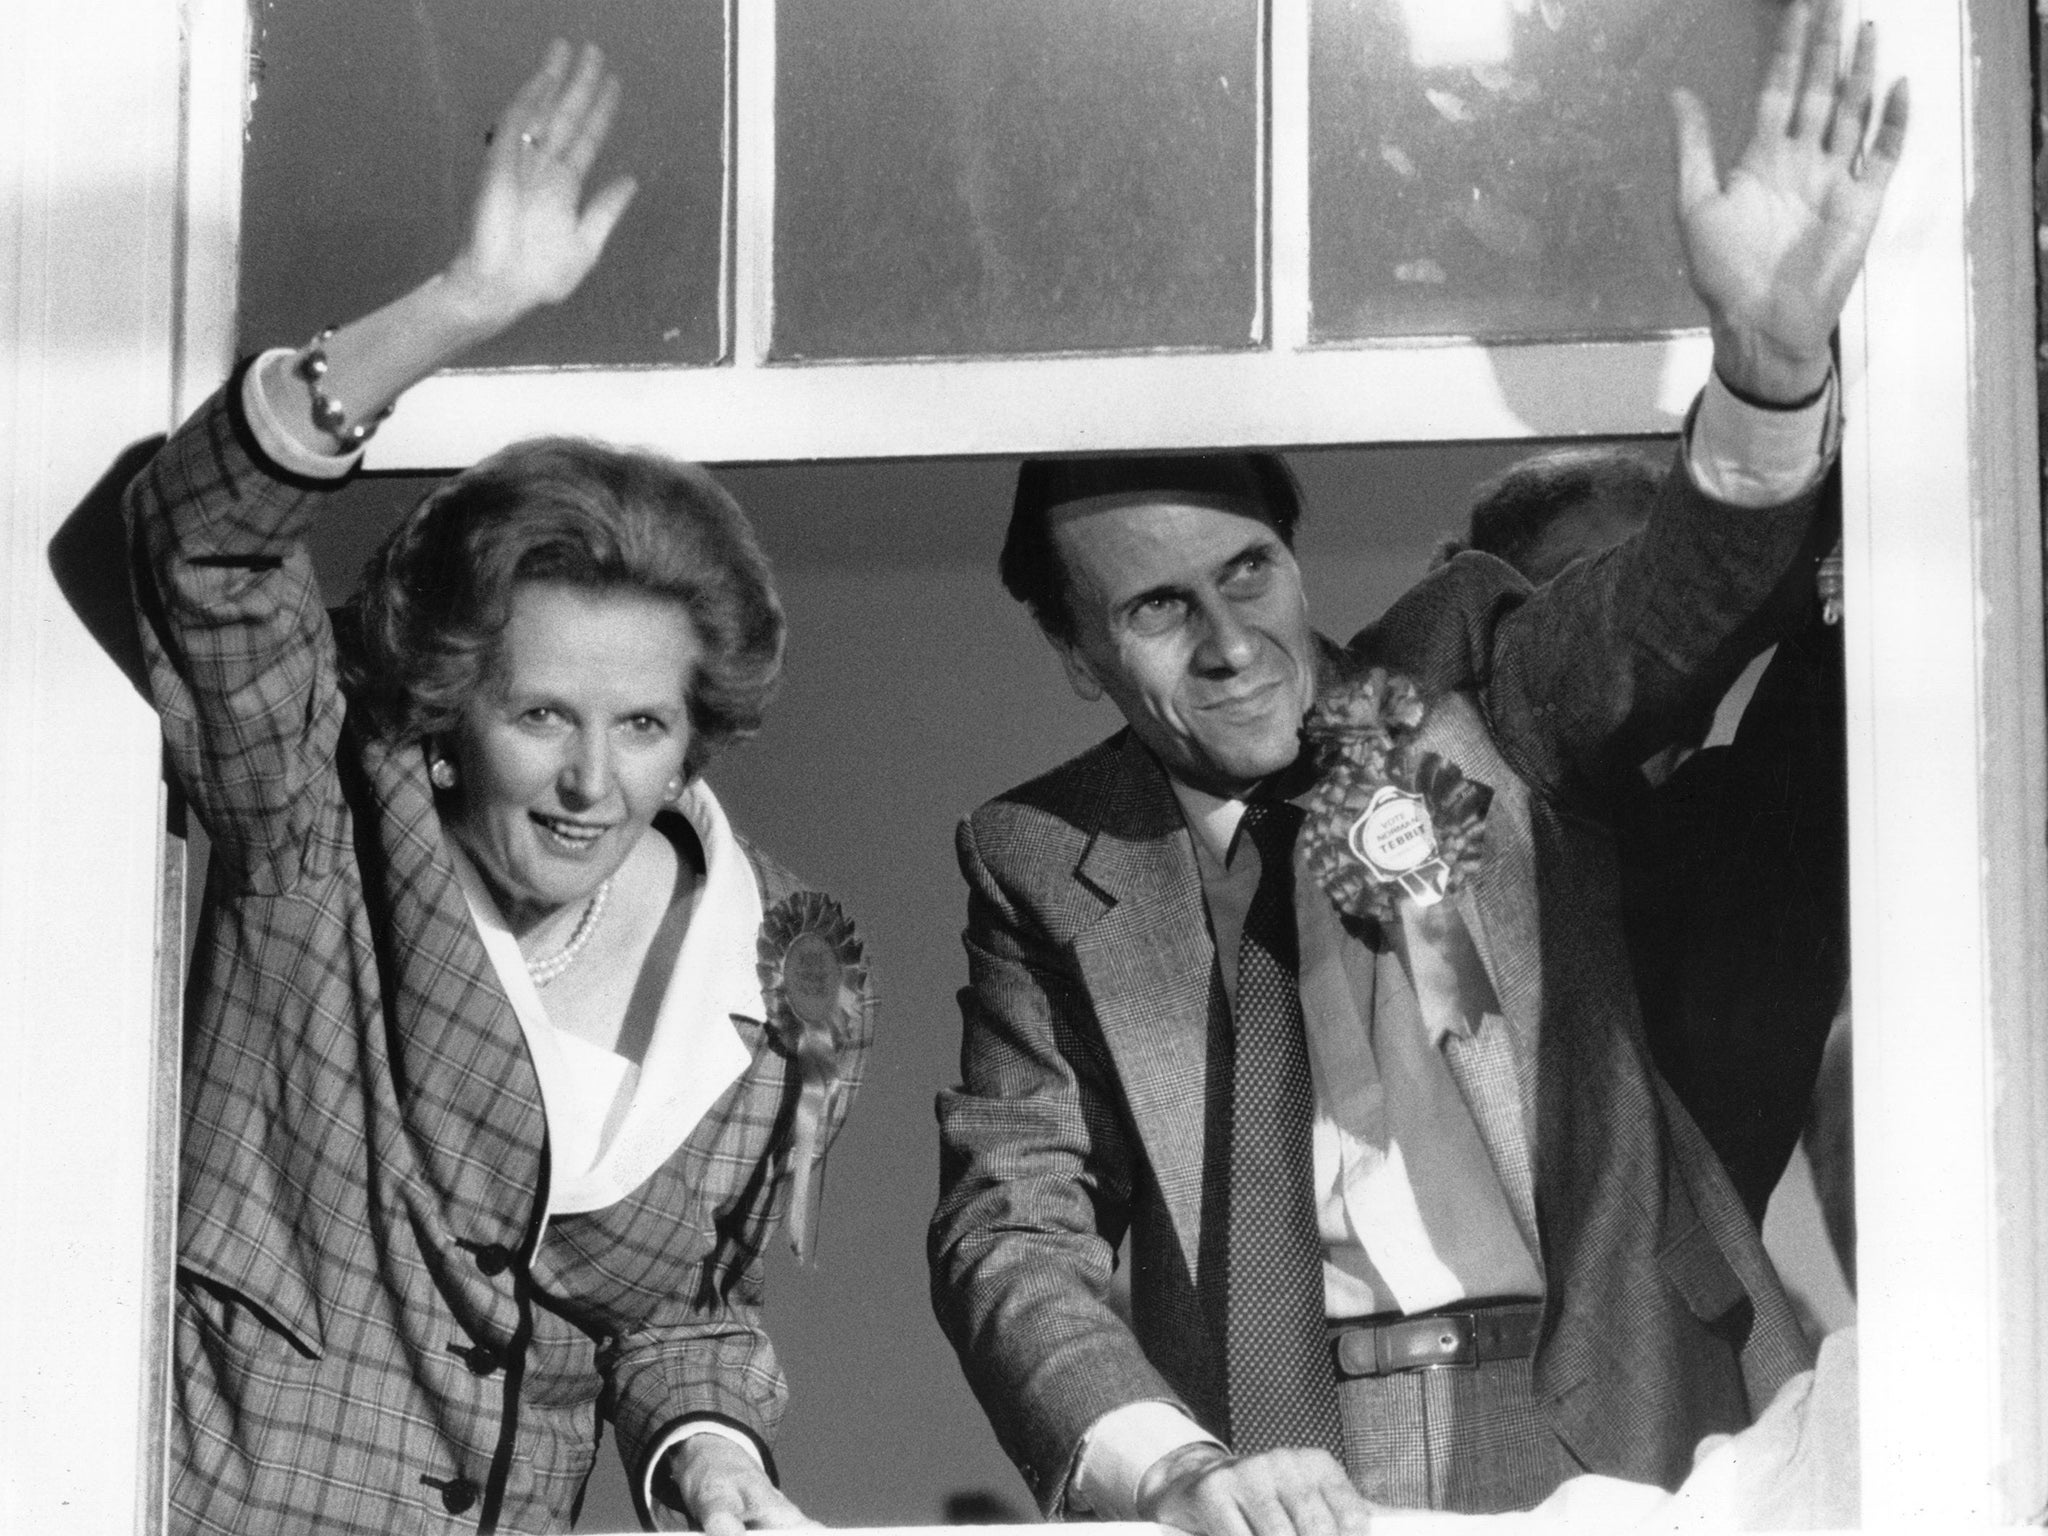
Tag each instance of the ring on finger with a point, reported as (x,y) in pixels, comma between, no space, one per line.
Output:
(532,140)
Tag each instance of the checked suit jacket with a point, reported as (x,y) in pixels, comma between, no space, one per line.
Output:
(367,1337)
(1094,1016)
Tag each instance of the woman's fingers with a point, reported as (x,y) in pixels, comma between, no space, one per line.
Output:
(603,212)
(572,104)
(580,144)
(531,102)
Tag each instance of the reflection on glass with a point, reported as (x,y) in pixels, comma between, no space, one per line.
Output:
(1503,168)
(367,129)
(1031,176)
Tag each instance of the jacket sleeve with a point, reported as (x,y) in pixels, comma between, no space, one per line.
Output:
(704,1354)
(1625,653)
(1035,1189)
(240,655)
(1622,653)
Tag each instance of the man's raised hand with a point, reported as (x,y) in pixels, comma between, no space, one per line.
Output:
(1774,250)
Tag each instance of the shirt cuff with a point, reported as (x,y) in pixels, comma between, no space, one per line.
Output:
(274,438)
(1120,1448)
(1754,456)
(684,1431)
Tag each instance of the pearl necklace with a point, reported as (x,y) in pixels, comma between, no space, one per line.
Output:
(548,967)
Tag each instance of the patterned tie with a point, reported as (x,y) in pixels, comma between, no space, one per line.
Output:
(1282,1387)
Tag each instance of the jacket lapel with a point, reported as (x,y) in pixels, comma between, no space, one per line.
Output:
(470,1099)
(1150,966)
(1496,902)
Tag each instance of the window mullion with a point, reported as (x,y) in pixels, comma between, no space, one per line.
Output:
(1286,164)
(750,179)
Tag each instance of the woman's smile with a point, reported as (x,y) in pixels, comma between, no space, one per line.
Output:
(564,760)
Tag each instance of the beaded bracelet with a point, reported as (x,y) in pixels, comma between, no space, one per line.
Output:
(311,366)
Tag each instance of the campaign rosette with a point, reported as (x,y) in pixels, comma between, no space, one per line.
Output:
(1386,819)
(812,970)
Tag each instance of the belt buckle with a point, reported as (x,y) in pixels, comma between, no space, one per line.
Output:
(1456,1338)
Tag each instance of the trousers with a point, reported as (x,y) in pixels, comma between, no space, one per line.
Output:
(1466,1438)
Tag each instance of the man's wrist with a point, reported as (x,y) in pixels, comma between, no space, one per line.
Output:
(1176,1468)
(1768,380)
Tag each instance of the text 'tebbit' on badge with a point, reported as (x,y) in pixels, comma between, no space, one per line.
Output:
(1395,839)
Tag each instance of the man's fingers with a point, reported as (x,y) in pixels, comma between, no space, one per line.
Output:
(1262,1508)
(1697,178)
(1308,1510)
(1851,120)
(723,1522)
(1292,1492)
(1779,95)
(1348,1511)
(1883,155)
(1820,74)
(1353,1513)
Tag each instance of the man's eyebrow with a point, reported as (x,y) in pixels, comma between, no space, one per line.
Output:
(1261,544)
(1164,589)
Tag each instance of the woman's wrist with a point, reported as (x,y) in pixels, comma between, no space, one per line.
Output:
(468,309)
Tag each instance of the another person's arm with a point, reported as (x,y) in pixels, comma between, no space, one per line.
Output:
(1614,657)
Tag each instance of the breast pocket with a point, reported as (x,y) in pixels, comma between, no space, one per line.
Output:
(240,1326)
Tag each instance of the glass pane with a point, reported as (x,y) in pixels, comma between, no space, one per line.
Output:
(1034,176)
(1504,168)
(366,135)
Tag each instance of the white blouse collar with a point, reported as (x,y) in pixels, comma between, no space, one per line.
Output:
(695,1053)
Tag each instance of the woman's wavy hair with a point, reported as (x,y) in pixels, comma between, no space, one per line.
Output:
(421,633)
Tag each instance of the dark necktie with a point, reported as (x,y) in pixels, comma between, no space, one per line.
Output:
(1282,1389)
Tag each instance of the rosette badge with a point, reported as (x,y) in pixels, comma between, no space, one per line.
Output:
(1386,819)
(812,970)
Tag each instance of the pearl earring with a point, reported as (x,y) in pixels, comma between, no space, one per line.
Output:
(442,773)
(674,792)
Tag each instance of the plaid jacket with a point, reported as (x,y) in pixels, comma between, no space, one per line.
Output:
(1095,1019)
(366,1338)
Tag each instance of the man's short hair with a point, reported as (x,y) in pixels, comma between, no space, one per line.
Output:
(1514,512)
(1031,570)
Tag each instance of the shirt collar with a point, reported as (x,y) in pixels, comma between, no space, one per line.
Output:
(695,1053)
(1212,819)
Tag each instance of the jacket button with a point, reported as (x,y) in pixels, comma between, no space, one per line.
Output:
(481,1359)
(494,1258)
(457,1494)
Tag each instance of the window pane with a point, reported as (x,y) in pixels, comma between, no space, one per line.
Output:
(1503,168)
(1033,176)
(366,136)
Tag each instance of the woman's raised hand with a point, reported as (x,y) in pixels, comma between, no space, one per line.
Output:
(532,237)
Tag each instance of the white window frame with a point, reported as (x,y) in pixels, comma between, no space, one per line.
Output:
(119,124)
(1280,392)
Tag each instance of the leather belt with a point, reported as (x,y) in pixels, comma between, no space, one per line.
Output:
(1436,1339)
